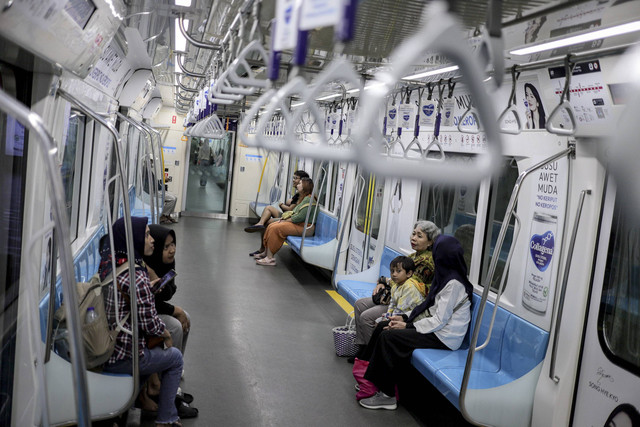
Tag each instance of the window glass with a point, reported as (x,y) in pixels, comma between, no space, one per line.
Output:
(71,168)
(452,209)
(322,183)
(361,203)
(133,139)
(376,208)
(619,320)
(501,189)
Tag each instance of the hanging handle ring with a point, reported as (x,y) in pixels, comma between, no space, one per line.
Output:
(511,107)
(564,104)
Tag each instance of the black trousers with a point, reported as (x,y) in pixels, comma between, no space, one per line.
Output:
(392,354)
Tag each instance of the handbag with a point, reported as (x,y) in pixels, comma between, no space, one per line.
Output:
(344,338)
(366,387)
(383,297)
(287,214)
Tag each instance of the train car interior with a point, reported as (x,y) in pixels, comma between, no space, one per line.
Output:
(329,140)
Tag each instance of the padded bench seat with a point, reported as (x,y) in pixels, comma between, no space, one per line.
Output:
(515,349)
(325,230)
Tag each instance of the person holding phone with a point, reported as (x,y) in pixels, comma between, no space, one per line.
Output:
(159,264)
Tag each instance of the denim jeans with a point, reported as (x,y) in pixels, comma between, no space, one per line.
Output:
(168,364)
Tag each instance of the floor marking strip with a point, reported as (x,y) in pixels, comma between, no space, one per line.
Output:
(343,303)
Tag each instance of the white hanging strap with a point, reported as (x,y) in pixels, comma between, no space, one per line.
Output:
(511,107)
(439,32)
(564,104)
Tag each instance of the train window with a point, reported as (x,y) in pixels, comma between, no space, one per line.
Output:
(619,317)
(501,189)
(376,208)
(453,209)
(323,182)
(71,168)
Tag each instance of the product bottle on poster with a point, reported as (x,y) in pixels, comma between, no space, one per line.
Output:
(537,281)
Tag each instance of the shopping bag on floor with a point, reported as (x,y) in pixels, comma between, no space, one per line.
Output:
(367,388)
(344,338)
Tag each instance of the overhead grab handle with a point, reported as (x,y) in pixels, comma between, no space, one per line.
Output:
(439,32)
(511,108)
(492,46)
(470,115)
(564,105)
(339,70)
(215,98)
(280,104)
(193,41)
(241,62)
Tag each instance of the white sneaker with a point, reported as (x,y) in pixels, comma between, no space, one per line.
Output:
(380,401)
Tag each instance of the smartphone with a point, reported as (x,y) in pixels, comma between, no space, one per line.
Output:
(171,274)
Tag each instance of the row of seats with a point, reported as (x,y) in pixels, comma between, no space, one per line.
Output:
(507,367)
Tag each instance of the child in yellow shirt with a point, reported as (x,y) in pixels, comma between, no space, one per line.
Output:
(406,291)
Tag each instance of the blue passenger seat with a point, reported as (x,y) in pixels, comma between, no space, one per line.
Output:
(516,348)
(325,230)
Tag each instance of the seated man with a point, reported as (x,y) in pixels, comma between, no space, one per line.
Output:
(270,213)
(169,198)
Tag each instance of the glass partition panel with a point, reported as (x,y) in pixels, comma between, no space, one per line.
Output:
(452,209)
(501,189)
(71,167)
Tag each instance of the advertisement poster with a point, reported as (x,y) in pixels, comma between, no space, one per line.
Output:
(544,234)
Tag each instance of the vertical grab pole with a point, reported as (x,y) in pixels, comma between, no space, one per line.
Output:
(563,289)
(127,226)
(50,150)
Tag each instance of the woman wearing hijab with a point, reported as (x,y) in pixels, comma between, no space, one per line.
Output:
(441,322)
(159,263)
(166,361)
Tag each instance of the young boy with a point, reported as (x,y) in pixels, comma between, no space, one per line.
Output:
(406,291)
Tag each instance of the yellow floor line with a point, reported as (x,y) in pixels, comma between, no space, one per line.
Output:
(343,303)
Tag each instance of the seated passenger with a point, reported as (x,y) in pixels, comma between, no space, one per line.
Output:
(170,199)
(366,311)
(167,362)
(271,213)
(406,291)
(292,224)
(440,322)
(159,263)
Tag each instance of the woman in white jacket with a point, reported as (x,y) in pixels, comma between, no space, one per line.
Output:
(441,321)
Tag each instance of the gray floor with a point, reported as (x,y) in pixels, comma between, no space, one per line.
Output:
(261,349)
(208,198)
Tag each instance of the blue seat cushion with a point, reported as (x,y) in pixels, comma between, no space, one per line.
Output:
(353,290)
(326,228)
(516,347)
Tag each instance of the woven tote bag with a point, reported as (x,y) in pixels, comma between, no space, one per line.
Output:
(344,338)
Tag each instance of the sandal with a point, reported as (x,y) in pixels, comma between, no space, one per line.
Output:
(266,261)
(260,256)
(254,253)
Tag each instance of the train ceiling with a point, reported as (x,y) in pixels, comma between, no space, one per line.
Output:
(380,26)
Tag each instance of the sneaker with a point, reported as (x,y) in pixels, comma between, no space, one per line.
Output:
(380,401)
